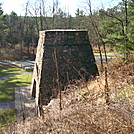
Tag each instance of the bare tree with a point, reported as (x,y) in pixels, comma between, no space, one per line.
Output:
(23,32)
(98,34)
(125,2)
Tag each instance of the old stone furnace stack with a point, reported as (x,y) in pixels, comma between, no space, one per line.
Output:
(62,56)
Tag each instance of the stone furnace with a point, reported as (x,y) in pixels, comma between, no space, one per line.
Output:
(62,56)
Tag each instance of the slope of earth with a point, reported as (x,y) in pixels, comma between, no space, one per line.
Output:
(84,106)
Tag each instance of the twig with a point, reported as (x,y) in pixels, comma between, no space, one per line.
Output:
(74,67)
(106,88)
(58,77)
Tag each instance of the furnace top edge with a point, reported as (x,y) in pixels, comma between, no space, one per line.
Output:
(65,30)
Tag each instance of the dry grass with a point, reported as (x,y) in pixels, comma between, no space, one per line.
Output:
(96,50)
(84,110)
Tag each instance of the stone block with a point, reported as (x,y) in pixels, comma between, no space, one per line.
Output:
(71,51)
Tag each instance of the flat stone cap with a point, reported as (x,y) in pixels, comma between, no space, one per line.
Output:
(65,30)
(65,37)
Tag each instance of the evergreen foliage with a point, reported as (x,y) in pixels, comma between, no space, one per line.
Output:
(114,25)
(118,27)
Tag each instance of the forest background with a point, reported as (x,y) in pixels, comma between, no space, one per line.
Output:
(113,27)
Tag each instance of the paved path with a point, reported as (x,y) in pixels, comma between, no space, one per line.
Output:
(109,57)
(18,62)
(29,63)
(10,105)
(7,105)
(24,104)
(11,75)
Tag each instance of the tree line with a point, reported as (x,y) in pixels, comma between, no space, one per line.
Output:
(113,27)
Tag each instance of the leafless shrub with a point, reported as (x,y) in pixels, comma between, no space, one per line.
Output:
(11,54)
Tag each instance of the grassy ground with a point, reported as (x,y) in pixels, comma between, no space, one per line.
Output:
(7,95)
(7,90)
(7,116)
(9,69)
(84,107)
(7,86)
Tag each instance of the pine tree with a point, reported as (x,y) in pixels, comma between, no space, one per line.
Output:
(130,34)
(118,27)
(2,28)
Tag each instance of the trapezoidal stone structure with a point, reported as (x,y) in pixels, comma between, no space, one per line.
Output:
(62,56)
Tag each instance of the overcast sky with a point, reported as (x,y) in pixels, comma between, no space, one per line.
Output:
(18,6)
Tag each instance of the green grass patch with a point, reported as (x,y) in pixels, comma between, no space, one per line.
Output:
(7,86)
(9,69)
(7,117)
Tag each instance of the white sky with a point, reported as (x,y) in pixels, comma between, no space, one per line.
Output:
(18,6)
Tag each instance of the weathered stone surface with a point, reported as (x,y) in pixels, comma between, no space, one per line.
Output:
(74,57)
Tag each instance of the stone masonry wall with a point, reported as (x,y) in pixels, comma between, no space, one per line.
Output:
(74,57)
